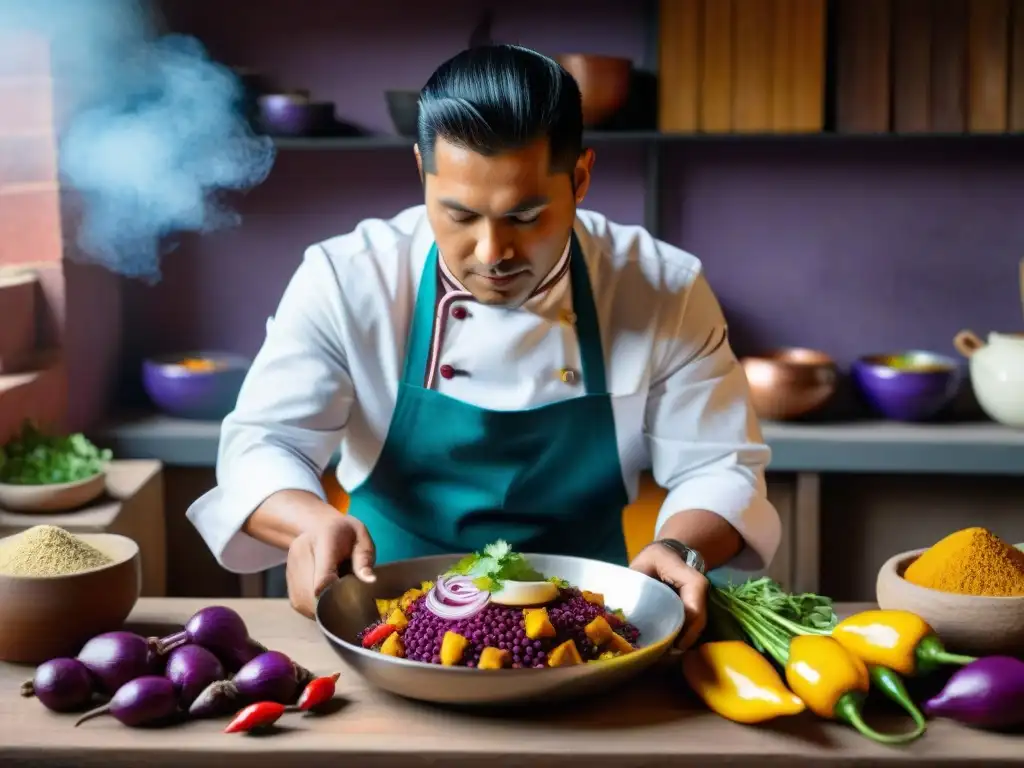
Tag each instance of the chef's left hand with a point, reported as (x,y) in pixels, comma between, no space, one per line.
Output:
(665,565)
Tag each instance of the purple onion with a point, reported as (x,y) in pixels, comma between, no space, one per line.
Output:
(216,700)
(115,658)
(216,628)
(221,631)
(149,700)
(987,693)
(61,685)
(191,668)
(271,676)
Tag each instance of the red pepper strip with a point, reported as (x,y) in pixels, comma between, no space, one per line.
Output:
(318,691)
(378,634)
(257,715)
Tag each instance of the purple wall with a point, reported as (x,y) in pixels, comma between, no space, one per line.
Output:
(852,246)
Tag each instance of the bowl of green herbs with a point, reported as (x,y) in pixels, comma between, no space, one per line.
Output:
(47,473)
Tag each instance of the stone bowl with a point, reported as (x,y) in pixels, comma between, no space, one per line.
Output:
(51,497)
(979,626)
(44,617)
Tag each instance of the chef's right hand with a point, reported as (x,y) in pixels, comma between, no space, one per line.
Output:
(315,555)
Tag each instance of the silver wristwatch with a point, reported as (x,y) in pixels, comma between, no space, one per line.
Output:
(689,556)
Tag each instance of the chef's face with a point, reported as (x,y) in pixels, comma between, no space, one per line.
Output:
(502,222)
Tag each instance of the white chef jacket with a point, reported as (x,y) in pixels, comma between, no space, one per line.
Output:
(328,372)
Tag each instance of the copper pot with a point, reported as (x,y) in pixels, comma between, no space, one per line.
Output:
(603,82)
(790,382)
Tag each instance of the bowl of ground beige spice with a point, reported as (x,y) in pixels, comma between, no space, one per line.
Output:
(968,586)
(58,589)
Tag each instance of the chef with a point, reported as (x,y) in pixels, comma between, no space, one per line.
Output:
(495,364)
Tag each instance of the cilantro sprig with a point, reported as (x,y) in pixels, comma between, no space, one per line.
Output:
(811,611)
(760,612)
(35,458)
(496,564)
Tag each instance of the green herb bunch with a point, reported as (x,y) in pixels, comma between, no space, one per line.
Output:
(35,458)
(760,612)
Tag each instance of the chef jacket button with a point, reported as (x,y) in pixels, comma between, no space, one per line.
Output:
(447,371)
(568,375)
(459,313)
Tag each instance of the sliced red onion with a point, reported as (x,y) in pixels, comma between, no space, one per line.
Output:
(453,612)
(457,590)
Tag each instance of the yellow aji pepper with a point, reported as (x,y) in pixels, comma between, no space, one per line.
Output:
(738,683)
(899,640)
(833,683)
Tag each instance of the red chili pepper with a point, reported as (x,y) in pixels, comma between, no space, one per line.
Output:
(257,715)
(378,634)
(318,691)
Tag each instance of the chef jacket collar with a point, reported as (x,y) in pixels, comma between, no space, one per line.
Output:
(557,273)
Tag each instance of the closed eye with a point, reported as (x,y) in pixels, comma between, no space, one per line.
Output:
(524,218)
(529,217)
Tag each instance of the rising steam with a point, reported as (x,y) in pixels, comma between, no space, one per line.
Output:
(157,129)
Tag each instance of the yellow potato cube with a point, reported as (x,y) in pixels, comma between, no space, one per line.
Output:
(593,597)
(599,631)
(409,598)
(393,646)
(452,647)
(619,644)
(398,620)
(493,658)
(564,655)
(538,624)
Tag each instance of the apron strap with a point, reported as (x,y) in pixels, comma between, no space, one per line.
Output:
(587,328)
(421,329)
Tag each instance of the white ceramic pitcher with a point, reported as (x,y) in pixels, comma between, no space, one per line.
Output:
(997,374)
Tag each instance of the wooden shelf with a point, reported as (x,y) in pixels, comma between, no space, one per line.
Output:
(968,448)
(387,141)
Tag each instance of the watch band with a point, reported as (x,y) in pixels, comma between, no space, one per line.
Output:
(689,556)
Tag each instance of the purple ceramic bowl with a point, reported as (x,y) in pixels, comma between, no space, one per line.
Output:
(293,114)
(907,386)
(195,385)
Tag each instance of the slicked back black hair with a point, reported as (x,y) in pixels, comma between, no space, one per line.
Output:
(498,98)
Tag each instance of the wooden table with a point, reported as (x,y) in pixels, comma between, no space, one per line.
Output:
(650,723)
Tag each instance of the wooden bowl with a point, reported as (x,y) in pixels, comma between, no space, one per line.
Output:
(603,82)
(55,497)
(964,623)
(42,617)
(790,382)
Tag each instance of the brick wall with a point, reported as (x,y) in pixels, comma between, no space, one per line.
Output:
(33,374)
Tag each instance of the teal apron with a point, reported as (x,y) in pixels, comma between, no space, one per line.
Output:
(453,477)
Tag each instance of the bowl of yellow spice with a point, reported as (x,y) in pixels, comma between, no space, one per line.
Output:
(968,586)
(58,590)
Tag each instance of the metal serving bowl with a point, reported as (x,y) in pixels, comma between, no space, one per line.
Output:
(790,383)
(347,607)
